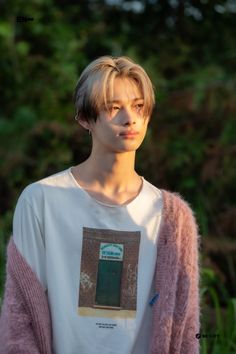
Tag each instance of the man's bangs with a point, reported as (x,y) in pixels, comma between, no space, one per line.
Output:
(105,89)
(101,90)
(147,93)
(96,86)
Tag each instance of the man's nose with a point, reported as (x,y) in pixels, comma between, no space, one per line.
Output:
(128,115)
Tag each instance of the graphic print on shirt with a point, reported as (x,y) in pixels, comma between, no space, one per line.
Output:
(109,273)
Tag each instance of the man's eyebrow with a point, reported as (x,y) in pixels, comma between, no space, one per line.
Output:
(133,100)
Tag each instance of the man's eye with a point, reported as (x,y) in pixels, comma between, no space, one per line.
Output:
(115,108)
(139,106)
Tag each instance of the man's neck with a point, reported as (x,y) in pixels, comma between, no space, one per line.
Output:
(113,175)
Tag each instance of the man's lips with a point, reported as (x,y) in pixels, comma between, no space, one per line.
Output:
(130,132)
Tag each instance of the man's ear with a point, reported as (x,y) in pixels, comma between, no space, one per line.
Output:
(83,122)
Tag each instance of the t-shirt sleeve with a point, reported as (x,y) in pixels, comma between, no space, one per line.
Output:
(28,237)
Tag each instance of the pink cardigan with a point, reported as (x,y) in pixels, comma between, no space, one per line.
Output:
(25,325)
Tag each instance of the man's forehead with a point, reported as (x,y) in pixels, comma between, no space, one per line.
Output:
(124,89)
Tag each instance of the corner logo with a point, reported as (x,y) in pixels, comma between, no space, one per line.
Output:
(200,335)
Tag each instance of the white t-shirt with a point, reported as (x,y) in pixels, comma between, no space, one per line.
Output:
(95,260)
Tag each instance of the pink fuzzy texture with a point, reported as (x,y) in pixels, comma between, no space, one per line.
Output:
(176,314)
(25,326)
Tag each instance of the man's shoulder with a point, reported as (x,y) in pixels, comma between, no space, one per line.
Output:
(177,205)
(172,199)
(36,189)
(152,188)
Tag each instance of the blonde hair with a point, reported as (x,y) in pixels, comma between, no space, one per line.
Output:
(92,87)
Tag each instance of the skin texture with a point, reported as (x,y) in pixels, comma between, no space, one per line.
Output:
(109,174)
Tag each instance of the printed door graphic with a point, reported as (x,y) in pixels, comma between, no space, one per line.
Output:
(108,283)
(108,273)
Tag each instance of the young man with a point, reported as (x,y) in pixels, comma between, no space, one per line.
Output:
(102,261)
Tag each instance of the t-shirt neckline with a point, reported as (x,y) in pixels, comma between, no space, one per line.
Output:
(102,203)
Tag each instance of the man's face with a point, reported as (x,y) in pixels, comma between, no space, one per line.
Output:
(124,115)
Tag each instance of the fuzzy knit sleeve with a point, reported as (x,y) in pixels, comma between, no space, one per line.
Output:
(187,306)
(25,326)
(176,313)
